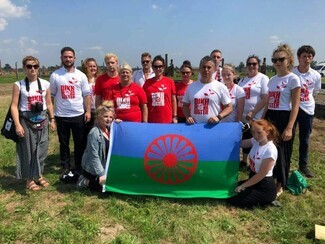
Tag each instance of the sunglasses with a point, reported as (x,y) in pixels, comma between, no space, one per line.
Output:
(274,60)
(252,64)
(29,66)
(145,62)
(218,57)
(186,73)
(157,66)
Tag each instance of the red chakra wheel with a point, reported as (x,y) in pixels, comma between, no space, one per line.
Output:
(171,159)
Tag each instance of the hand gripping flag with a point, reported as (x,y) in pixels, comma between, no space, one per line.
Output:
(173,160)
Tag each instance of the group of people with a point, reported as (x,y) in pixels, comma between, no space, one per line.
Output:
(85,103)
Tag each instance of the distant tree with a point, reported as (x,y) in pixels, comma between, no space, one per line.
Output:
(241,67)
(313,64)
(7,68)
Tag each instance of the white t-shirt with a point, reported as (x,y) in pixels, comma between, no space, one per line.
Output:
(254,88)
(28,98)
(139,78)
(235,93)
(258,153)
(69,89)
(310,86)
(206,99)
(280,91)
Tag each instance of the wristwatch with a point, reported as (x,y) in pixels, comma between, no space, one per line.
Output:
(219,117)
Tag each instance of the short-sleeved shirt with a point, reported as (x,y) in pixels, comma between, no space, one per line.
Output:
(258,153)
(280,91)
(310,86)
(180,91)
(128,101)
(159,94)
(254,88)
(206,99)
(104,83)
(235,93)
(69,89)
(139,78)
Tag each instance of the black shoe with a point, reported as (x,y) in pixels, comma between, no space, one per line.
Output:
(306,171)
(69,176)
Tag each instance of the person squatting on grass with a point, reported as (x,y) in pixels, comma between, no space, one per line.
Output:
(283,105)
(260,188)
(95,155)
(310,86)
(31,101)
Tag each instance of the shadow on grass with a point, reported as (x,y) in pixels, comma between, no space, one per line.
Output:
(10,183)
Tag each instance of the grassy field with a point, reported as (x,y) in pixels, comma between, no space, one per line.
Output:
(61,214)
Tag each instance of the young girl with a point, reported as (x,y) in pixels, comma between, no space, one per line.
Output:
(94,158)
(260,188)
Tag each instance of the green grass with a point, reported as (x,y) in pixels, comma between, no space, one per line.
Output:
(61,214)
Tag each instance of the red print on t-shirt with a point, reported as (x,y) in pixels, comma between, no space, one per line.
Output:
(304,93)
(68,92)
(34,99)
(201,105)
(247,92)
(252,165)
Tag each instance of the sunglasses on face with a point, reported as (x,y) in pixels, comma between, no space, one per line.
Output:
(274,60)
(252,64)
(218,57)
(29,66)
(145,62)
(157,66)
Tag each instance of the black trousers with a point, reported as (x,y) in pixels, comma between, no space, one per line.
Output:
(262,193)
(93,181)
(66,125)
(280,120)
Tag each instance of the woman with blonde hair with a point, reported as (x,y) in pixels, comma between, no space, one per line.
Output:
(236,93)
(282,110)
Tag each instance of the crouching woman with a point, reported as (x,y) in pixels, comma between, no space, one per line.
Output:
(94,158)
(260,188)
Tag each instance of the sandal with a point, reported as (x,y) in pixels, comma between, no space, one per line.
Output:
(43,182)
(32,186)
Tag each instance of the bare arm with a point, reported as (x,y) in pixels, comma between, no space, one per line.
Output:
(98,100)
(266,166)
(240,108)
(14,110)
(144,111)
(295,100)
(88,108)
(49,106)
(174,106)
(187,114)
(247,143)
(260,105)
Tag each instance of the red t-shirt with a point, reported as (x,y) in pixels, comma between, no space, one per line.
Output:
(103,85)
(128,101)
(159,95)
(180,91)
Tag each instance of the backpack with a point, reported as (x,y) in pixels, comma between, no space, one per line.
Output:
(297,184)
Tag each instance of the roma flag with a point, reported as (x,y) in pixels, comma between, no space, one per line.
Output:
(173,160)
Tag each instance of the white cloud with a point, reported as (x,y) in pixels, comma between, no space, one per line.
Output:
(154,6)
(51,44)
(3,24)
(171,6)
(275,39)
(7,41)
(10,10)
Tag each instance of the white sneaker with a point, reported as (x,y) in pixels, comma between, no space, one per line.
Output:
(82,182)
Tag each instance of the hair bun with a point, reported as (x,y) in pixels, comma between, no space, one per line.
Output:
(187,62)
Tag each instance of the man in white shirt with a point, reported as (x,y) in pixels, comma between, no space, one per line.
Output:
(310,86)
(140,76)
(72,98)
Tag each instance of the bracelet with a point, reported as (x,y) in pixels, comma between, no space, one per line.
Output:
(52,118)
(175,117)
(219,117)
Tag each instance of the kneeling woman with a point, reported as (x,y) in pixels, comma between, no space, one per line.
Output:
(94,158)
(260,188)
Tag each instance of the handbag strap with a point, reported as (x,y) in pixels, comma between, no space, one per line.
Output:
(38,83)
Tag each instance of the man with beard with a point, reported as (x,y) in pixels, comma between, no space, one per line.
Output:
(72,96)
(105,82)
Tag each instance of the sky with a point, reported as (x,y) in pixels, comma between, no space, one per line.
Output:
(183,29)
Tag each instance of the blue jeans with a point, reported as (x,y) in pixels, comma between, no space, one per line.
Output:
(305,123)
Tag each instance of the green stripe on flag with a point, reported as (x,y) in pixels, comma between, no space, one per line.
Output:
(210,179)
